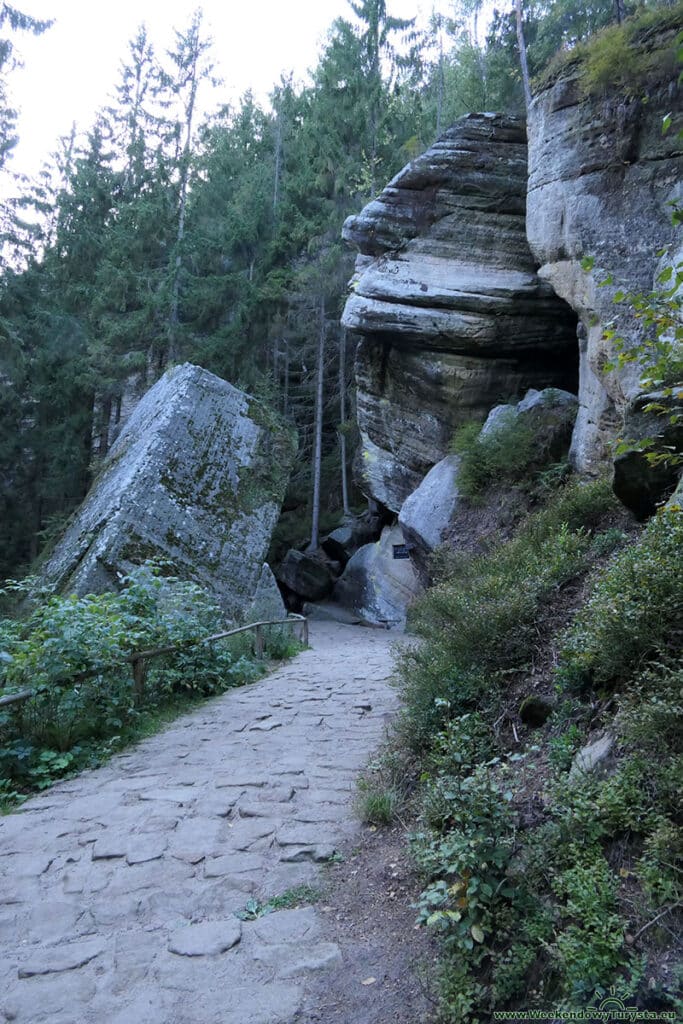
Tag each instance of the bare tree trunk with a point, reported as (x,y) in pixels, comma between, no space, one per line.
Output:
(521,42)
(318,429)
(182,204)
(278,165)
(342,417)
(440,89)
(285,386)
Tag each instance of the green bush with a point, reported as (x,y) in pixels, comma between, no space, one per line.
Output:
(635,613)
(72,652)
(469,862)
(589,944)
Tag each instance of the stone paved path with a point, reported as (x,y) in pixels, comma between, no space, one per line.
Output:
(118,889)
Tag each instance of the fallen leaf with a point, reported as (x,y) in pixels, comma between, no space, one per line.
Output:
(369,981)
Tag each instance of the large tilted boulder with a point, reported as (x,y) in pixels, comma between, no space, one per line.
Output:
(196,478)
(377,587)
(267,604)
(601,176)
(428,511)
(447,304)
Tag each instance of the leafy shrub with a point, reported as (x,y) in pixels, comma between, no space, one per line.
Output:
(469,862)
(72,651)
(635,613)
(589,945)
(614,60)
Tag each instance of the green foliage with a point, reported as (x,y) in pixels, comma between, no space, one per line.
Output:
(589,946)
(72,652)
(634,613)
(376,806)
(299,895)
(534,879)
(481,617)
(470,861)
(616,59)
(506,453)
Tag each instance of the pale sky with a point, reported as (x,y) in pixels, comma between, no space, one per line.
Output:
(71,69)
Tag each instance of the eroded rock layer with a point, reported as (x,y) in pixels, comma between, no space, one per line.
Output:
(451,314)
(602,174)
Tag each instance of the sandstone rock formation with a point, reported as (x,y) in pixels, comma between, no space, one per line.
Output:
(377,587)
(306,575)
(550,415)
(601,176)
(451,315)
(196,478)
(428,511)
(267,604)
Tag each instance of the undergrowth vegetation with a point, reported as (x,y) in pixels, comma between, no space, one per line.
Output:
(552,879)
(74,654)
(616,59)
(481,618)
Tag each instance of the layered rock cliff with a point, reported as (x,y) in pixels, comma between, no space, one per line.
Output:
(602,175)
(451,315)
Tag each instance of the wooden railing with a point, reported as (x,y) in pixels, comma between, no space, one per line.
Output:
(138,658)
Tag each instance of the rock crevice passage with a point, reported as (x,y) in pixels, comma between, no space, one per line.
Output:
(120,889)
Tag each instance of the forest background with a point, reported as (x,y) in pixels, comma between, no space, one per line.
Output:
(157,237)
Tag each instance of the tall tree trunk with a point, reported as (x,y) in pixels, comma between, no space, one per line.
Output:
(521,42)
(342,417)
(278,163)
(318,431)
(285,386)
(440,89)
(173,351)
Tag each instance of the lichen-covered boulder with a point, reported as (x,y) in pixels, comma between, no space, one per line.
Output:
(308,575)
(428,511)
(602,174)
(447,304)
(377,587)
(196,479)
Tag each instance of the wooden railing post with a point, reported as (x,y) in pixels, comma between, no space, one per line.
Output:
(258,642)
(304,633)
(138,681)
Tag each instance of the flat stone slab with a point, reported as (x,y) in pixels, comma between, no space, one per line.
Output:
(65,958)
(145,850)
(207,939)
(233,864)
(177,795)
(287,926)
(289,962)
